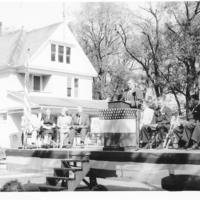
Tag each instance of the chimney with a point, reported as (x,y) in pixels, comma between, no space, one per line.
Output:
(0,28)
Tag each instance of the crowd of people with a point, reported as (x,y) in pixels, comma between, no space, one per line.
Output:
(50,130)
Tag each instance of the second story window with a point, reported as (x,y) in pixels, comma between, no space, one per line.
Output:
(53,52)
(60,53)
(68,52)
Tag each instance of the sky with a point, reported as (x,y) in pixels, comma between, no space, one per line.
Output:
(35,14)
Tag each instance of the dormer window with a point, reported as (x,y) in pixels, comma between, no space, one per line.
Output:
(60,53)
(68,52)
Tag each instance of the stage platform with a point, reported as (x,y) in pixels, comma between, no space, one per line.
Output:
(161,156)
(147,167)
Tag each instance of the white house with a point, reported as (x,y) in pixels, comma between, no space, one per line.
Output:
(60,76)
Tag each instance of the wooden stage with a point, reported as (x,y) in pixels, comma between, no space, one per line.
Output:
(161,156)
(149,167)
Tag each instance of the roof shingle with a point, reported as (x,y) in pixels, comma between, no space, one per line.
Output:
(13,46)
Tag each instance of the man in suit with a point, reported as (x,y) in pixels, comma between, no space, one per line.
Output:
(81,124)
(134,95)
(147,125)
(64,123)
(163,116)
(159,125)
(48,127)
(195,137)
(187,132)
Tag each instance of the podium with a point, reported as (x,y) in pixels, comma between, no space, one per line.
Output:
(120,126)
(118,104)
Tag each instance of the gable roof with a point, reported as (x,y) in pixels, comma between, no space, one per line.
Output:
(7,45)
(13,46)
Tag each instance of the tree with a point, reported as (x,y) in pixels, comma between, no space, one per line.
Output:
(183,38)
(101,43)
(148,52)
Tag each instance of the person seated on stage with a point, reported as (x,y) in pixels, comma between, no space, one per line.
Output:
(186,133)
(195,138)
(23,130)
(163,115)
(146,125)
(64,124)
(48,125)
(134,95)
(81,124)
(35,124)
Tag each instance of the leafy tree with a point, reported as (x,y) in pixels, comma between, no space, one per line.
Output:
(148,51)
(183,38)
(102,45)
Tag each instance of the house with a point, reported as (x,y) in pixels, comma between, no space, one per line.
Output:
(60,75)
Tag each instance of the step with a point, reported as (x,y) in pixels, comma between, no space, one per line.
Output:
(72,162)
(45,187)
(65,172)
(76,160)
(53,180)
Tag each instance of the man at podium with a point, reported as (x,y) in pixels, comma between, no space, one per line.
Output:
(134,95)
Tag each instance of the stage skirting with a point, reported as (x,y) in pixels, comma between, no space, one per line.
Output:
(149,166)
(137,156)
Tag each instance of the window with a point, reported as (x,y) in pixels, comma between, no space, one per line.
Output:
(53,52)
(76,85)
(60,53)
(68,52)
(69,87)
(37,83)
(69,92)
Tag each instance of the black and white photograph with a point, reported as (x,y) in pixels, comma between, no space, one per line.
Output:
(99,96)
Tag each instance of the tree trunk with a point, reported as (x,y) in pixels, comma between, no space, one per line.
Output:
(177,101)
(157,90)
(187,97)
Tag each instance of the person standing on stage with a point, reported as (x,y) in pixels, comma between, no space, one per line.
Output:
(147,125)
(134,95)
(64,124)
(48,125)
(81,124)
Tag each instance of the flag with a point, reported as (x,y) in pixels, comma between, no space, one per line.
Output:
(27,106)
(117,120)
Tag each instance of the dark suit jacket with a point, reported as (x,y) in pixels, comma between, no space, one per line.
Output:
(83,120)
(49,121)
(163,118)
(194,113)
(135,97)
